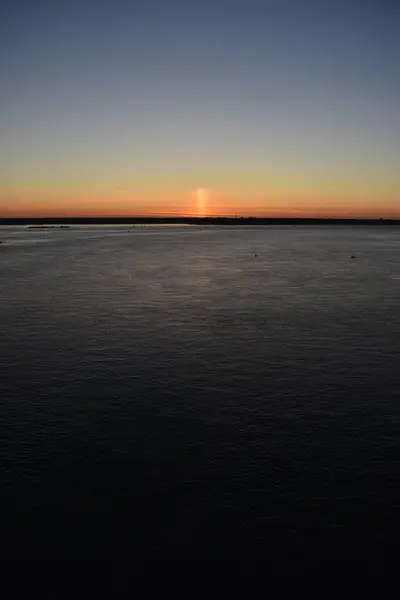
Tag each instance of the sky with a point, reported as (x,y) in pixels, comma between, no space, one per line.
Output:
(217,107)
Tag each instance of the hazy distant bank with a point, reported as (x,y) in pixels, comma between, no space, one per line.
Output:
(192,221)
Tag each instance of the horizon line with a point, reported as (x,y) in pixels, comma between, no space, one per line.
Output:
(171,217)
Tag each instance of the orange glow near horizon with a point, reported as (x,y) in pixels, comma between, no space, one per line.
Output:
(202,201)
(199,202)
(384,210)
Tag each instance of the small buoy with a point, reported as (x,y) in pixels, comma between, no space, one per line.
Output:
(255,255)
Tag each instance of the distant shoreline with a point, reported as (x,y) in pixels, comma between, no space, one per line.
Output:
(191,221)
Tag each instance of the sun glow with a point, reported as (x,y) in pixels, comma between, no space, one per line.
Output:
(202,195)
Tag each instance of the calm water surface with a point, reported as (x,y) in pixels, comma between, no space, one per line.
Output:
(166,391)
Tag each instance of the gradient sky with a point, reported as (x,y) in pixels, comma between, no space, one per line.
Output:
(275,107)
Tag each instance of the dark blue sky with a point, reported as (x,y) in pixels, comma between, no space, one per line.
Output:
(264,100)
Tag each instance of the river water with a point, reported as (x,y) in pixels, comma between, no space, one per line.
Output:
(200,392)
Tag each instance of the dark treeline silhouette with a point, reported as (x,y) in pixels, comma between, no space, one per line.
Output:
(190,220)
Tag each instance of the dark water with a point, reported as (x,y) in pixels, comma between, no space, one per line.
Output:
(167,392)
